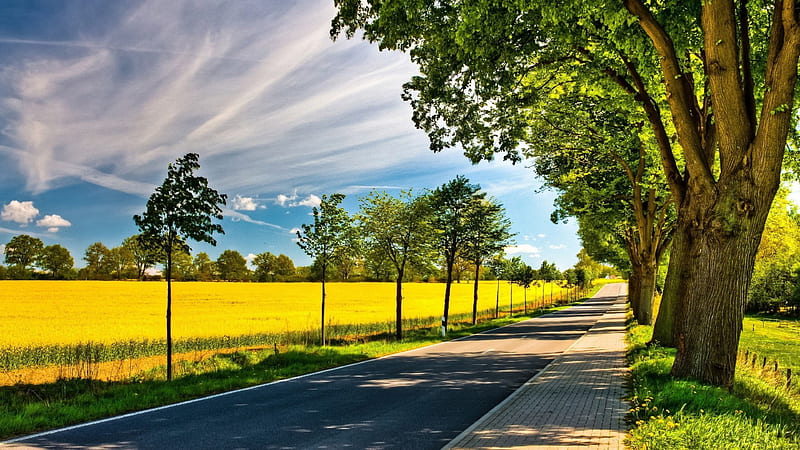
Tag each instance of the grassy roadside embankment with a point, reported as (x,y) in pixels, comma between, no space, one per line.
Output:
(760,412)
(29,408)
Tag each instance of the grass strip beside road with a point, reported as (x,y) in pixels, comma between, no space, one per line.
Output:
(669,413)
(31,408)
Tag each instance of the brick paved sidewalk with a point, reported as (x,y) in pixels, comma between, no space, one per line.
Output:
(575,402)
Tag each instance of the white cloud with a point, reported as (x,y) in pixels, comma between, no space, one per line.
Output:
(22,213)
(794,193)
(2,249)
(291,201)
(249,258)
(524,249)
(236,216)
(283,200)
(557,247)
(53,222)
(541,235)
(311,201)
(295,230)
(244,203)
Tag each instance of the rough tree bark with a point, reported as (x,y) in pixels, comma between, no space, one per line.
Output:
(732,174)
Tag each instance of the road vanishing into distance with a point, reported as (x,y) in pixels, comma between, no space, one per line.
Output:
(420,399)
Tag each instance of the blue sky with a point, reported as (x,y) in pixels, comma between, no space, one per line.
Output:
(97,97)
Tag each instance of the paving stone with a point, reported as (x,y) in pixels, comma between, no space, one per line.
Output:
(575,402)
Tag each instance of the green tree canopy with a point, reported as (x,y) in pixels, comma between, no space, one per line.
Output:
(231,266)
(23,250)
(56,260)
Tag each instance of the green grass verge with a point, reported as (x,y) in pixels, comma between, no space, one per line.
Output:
(668,413)
(31,408)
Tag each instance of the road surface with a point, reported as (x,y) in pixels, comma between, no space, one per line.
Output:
(419,399)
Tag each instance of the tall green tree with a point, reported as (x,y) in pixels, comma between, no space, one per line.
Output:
(143,258)
(56,260)
(488,233)
(284,266)
(719,75)
(322,238)
(22,251)
(204,267)
(398,229)
(266,267)
(451,204)
(182,208)
(231,266)
(98,261)
(119,260)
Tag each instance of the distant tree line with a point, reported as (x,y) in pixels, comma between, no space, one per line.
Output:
(424,236)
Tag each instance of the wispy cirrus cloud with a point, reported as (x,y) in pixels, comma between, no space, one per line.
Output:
(257,88)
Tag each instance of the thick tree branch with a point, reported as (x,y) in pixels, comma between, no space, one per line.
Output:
(722,54)
(679,95)
(747,69)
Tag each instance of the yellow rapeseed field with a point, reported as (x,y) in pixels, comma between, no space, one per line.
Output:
(66,312)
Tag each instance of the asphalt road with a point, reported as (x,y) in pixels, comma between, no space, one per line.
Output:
(419,399)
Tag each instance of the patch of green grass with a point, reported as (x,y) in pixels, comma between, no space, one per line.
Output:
(31,408)
(777,343)
(669,413)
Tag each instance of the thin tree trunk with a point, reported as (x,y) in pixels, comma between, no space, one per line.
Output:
(475,294)
(399,306)
(497,301)
(169,313)
(322,309)
(447,297)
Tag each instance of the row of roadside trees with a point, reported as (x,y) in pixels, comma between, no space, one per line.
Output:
(690,106)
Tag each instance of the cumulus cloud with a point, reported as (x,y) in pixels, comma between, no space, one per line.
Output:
(53,222)
(244,203)
(311,201)
(557,247)
(2,249)
(295,230)
(22,213)
(291,201)
(524,249)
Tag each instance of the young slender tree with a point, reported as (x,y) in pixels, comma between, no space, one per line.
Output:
(488,232)
(398,229)
(451,204)
(322,238)
(182,208)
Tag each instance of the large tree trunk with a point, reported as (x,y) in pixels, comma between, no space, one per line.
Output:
(722,231)
(665,326)
(642,286)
